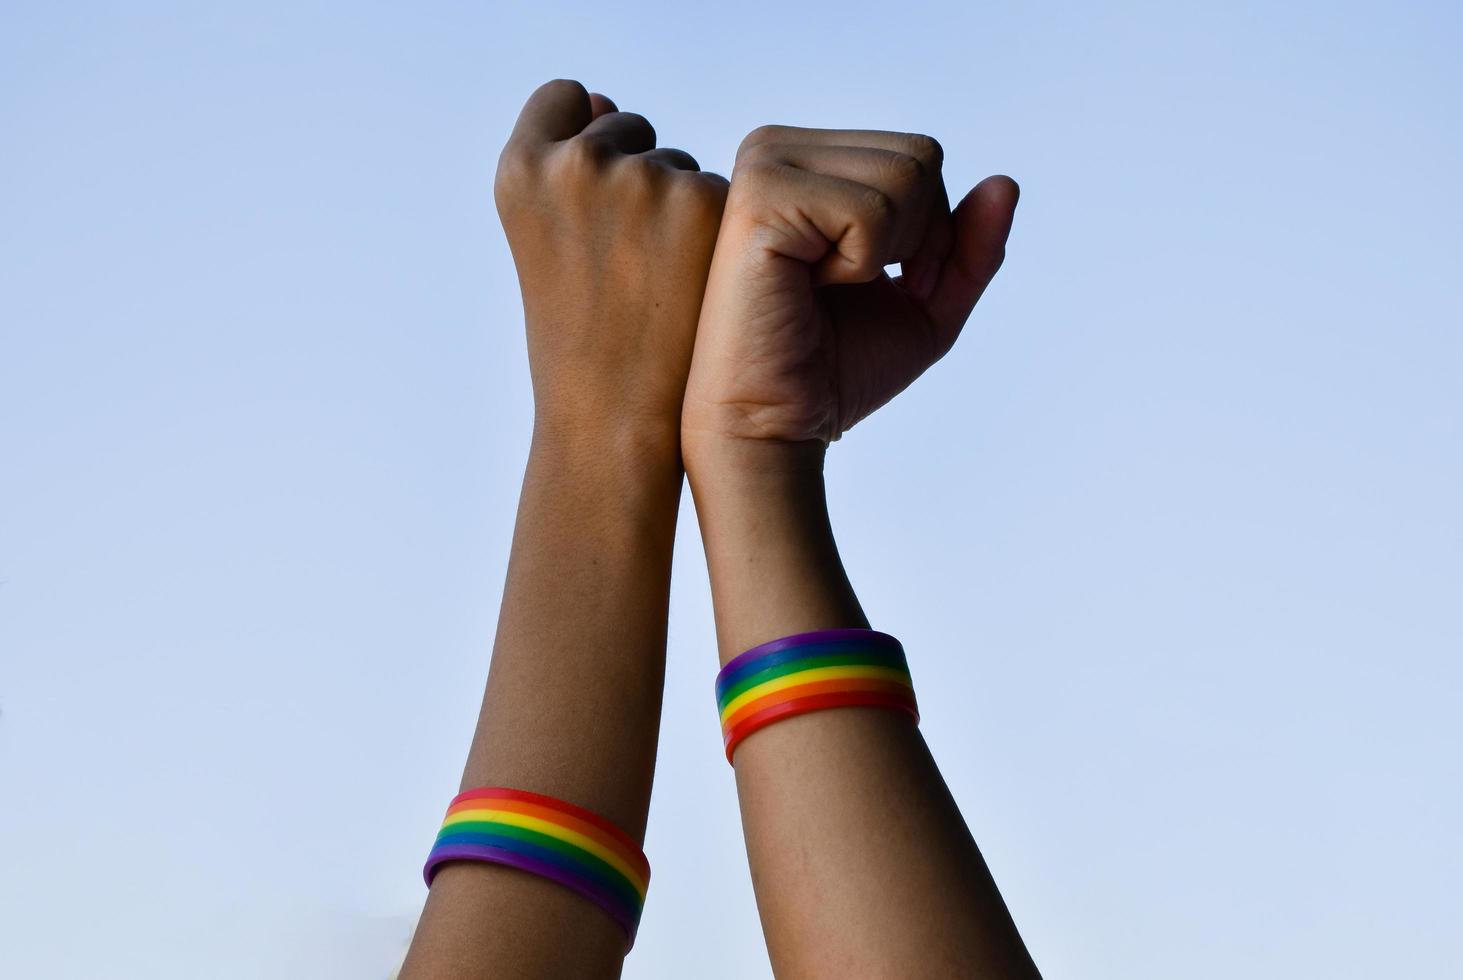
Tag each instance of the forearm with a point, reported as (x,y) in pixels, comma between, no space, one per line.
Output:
(861,861)
(774,564)
(572,704)
(573,697)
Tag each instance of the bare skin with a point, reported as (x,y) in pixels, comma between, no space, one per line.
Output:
(612,239)
(801,335)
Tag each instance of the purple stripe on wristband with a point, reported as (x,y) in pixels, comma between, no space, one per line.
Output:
(802,639)
(615,907)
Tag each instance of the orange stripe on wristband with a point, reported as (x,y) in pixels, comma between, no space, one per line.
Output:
(841,668)
(818,702)
(550,838)
(898,689)
(632,855)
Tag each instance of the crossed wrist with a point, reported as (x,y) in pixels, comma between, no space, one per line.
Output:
(754,461)
(750,489)
(607,439)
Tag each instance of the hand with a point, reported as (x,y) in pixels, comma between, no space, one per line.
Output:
(802,334)
(612,239)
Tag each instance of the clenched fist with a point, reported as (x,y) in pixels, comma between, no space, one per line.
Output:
(612,239)
(802,333)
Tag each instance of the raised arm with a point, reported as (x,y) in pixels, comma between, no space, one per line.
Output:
(612,240)
(860,859)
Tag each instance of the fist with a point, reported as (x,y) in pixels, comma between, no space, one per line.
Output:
(802,333)
(612,239)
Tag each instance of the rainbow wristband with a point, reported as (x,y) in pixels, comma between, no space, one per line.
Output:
(810,672)
(550,838)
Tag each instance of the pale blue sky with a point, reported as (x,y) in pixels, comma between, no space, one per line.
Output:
(1174,537)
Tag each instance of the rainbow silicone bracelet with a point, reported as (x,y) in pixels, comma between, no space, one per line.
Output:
(811,672)
(550,838)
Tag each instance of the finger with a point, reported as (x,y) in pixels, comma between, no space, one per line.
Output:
(716,182)
(601,104)
(921,270)
(673,158)
(903,179)
(555,111)
(628,132)
(842,228)
(925,149)
(982,225)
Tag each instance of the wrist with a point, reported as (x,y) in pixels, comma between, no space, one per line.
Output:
(607,443)
(756,493)
(609,475)
(615,491)
(773,563)
(720,463)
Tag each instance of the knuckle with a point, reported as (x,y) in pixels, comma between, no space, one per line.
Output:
(875,209)
(760,136)
(635,175)
(700,192)
(636,119)
(757,157)
(563,86)
(517,172)
(682,159)
(578,159)
(635,122)
(905,171)
(926,149)
(865,259)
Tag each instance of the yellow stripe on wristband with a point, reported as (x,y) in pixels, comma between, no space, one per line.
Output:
(813,676)
(554,830)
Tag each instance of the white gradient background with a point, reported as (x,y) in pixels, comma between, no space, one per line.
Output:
(1174,536)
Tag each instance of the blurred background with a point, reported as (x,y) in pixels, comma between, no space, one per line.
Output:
(1174,536)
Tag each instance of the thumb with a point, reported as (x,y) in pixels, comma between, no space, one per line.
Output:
(982,224)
